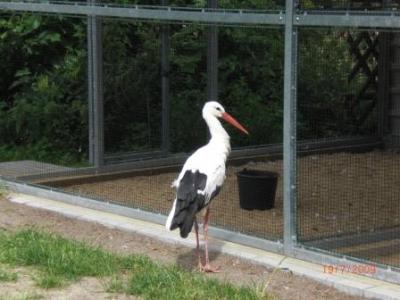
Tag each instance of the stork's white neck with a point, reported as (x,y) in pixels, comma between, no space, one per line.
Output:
(219,137)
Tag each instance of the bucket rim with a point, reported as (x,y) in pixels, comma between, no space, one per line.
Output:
(254,173)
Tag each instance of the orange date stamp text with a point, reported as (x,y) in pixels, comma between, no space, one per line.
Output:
(351,268)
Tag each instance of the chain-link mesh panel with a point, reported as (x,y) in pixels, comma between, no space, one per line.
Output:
(240,78)
(132,87)
(348,197)
(250,83)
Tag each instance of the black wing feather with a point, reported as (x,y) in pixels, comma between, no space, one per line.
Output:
(189,201)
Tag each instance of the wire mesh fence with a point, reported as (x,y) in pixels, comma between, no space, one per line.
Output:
(348,199)
(151,190)
(132,86)
(133,116)
(329,59)
(347,119)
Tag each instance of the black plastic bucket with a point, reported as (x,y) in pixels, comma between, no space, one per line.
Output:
(257,189)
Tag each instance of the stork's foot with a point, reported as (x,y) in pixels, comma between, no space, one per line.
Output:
(207,268)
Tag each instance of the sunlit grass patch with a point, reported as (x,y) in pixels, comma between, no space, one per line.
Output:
(60,261)
(6,275)
(23,296)
(57,258)
(155,281)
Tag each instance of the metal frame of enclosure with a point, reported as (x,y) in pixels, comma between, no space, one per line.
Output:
(290,18)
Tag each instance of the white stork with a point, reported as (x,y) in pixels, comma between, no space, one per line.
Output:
(201,179)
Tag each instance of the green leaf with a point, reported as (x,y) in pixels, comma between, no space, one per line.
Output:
(22,72)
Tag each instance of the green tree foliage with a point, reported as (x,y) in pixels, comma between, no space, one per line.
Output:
(43,86)
(188,86)
(251,81)
(43,110)
(132,86)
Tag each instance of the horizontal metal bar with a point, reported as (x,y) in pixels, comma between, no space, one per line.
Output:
(132,156)
(247,240)
(364,19)
(167,164)
(216,232)
(146,12)
(349,19)
(240,155)
(53,194)
(354,239)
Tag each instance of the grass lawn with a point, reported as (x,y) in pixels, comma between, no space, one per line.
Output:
(60,262)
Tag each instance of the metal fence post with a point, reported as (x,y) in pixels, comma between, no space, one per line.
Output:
(384,70)
(165,85)
(95,93)
(289,131)
(383,80)
(212,57)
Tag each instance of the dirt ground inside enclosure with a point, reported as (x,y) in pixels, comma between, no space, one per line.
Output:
(283,285)
(338,194)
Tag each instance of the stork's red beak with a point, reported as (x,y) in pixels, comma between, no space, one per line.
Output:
(231,120)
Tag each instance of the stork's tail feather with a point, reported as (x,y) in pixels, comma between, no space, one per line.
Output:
(186,227)
(181,218)
(168,224)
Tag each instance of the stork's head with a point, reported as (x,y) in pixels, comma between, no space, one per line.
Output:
(214,109)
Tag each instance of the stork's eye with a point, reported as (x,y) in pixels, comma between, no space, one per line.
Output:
(218,108)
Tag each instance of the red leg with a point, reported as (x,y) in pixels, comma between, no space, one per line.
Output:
(196,229)
(207,267)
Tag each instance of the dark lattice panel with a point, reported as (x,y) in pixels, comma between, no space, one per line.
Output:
(363,47)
